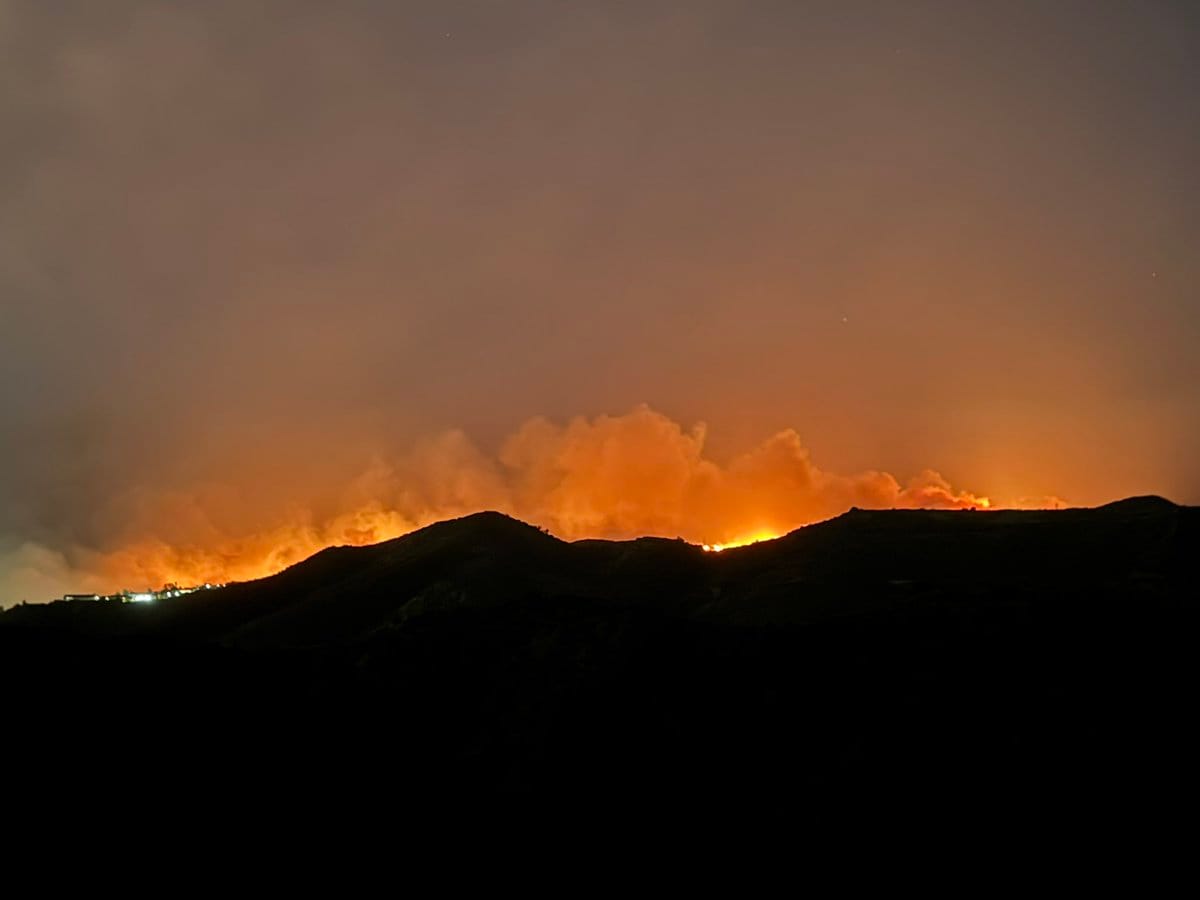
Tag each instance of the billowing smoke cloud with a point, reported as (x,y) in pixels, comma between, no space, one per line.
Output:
(610,476)
(250,252)
(642,473)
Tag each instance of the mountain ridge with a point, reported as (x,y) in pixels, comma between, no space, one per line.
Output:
(1004,653)
(491,558)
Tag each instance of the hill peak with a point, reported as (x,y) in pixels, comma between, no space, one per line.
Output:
(489,526)
(489,516)
(488,519)
(1145,503)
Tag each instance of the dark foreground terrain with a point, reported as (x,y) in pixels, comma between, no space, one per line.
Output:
(917,656)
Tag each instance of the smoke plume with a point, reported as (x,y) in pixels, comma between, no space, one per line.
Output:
(605,477)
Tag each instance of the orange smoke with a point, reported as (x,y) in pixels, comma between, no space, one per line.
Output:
(610,476)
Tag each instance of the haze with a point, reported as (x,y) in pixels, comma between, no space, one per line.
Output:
(280,274)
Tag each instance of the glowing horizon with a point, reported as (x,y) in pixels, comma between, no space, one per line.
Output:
(614,477)
(265,290)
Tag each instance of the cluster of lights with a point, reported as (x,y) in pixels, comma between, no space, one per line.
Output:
(145,596)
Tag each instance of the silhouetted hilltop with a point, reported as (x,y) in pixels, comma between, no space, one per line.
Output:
(860,560)
(1150,504)
(482,558)
(877,558)
(883,649)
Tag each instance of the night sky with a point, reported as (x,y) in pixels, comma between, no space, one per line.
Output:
(275,275)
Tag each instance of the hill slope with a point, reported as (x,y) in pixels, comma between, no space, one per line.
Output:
(981,651)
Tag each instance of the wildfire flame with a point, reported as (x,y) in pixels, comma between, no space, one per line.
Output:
(744,541)
(608,477)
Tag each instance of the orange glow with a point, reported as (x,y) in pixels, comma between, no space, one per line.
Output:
(609,477)
(745,541)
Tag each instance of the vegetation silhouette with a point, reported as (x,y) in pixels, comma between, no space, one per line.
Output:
(981,656)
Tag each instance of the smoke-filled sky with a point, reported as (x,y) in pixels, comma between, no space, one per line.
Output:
(281,274)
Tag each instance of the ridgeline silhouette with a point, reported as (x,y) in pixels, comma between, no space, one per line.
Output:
(881,653)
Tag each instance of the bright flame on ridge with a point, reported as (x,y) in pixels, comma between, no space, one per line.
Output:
(741,541)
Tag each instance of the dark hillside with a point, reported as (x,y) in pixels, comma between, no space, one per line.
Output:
(882,653)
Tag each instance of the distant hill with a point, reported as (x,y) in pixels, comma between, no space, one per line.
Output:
(986,651)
